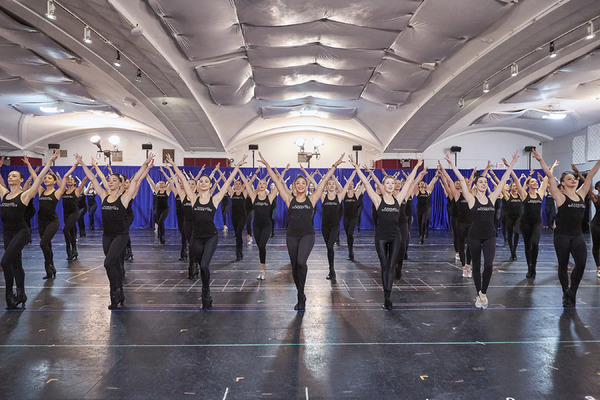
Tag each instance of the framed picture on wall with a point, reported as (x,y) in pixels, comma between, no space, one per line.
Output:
(170,152)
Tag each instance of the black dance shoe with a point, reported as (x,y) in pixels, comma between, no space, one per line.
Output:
(301,305)
(21,297)
(50,272)
(11,300)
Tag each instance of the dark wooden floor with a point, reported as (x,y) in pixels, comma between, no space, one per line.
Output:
(434,345)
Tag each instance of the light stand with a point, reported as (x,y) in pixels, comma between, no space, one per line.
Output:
(455,150)
(253,147)
(147,147)
(357,148)
(53,147)
(529,149)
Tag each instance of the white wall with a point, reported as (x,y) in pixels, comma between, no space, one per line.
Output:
(561,149)
(479,147)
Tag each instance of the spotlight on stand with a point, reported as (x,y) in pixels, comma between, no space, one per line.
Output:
(529,149)
(147,147)
(253,147)
(356,148)
(455,150)
(53,147)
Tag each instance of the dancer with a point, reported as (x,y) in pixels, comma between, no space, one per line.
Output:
(48,223)
(595,223)
(71,214)
(350,216)
(514,210)
(161,194)
(90,195)
(424,207)
(531,220)
(15,231)
(261,204)
(387,230)
(204,236)
(115,222)
(82,207)
(568,235)
(237,197)
(300,235)
(550,210)
(330,218)
(482,235)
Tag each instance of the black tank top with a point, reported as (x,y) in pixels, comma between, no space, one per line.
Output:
(387,220)
(162,200)
(204,216)
(114,217)
(47,206)
(330,212)
(12,213)
(130,214)
(300,218)
(69,201)
(402,218)
(514,206)
(178,206)
(569,217)
(350,206)
(408,209)
(91,197)
(463,212)
(422,200)
(550,201)
(482,225)
(188,213)
(532,210)
(262,211)
(238,205)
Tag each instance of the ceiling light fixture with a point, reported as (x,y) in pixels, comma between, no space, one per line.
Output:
(461,102)
(138,77)
(590,30)
(555,115)
(51,110)
(486,87)
(552,48)
(514,69)
(87,35)
(117,62)
(50,9)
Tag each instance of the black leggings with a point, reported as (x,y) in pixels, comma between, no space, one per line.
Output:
(299,249)
(81,221)
(550,211)
(70,230)
(403,244)
(203,250)
(531,239)
(91,210)
(12,264)
(489,250)
(160,217)
(47,230)
(114,250)
(512,230)
(595,230)
(224,211)
(575,246)
(349,227)
(249,218)
(262,233)
(239,223)
(453,221)
(423,215)
(330,234)
(462,233)
(387,250)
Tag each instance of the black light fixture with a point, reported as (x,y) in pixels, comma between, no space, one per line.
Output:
(529,149)
(53,146)
(455,150)
(253,147)
(138,77)
(147,147)
(117,62)
(356,148)
(87,35)
(552,49)
(50,10)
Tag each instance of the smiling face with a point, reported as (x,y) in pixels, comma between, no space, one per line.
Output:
(49,180)
(192,183)
(204,183)
(114,182)
(300,185)
(237,186)
(70,181)
(331,186)
(161,185)
(126,184)
(262,185)
(388,184)
(532,184)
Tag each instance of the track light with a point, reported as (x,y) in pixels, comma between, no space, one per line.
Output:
(514,69)
(138,77)
(486,87)
(51,8)
(117,62)
(461,102)
(552,53)
(87,35)
(590,30)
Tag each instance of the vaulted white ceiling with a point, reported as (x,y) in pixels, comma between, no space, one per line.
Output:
(214,75)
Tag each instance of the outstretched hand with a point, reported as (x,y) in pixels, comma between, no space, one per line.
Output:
(242,161)
(448,157)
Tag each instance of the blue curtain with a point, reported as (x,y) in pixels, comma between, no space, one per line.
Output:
(142,205)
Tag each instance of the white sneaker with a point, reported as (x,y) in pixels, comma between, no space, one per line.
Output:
(225,228)
(249,240)
(464,272)
(478,302)
(457,257)
(261,275)
(469,271)
(484,300)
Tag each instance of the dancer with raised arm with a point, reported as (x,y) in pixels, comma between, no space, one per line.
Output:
(161,192)
(300,235)
(71,214)
(261,204)
(115,222)
(387,229)
(204,233)
(482,234)
(15,231)
(568,235)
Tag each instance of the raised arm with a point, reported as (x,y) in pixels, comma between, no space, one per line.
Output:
(344,190)
(136,180)
(405,192)
(504,178)
(100,191)
(248,187)
(463,183)
(319,188)
(30,193)
(375,198)
(520,189)
(219,196)
(431,184)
